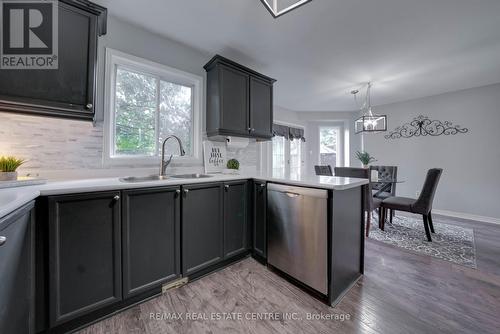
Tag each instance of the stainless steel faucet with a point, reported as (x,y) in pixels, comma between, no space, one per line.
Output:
(164,164)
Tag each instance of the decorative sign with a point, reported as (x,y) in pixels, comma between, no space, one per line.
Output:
(214,155)
(422,126)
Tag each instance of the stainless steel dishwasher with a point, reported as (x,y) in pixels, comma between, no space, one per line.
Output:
(297,227)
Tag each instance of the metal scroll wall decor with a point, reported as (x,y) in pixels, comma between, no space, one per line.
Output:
(422,126)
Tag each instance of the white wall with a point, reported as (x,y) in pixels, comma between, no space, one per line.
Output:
(471,162)
(287,116)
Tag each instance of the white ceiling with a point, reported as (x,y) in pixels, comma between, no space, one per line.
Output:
(320,51)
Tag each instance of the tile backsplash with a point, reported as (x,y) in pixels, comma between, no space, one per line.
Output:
(51,143)
(59,144)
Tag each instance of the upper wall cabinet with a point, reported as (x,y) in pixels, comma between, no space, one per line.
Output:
(239,100)
(68,89)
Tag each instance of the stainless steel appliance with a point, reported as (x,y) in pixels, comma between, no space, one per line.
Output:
(297,240)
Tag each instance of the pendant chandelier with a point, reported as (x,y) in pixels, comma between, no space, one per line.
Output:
(368,122)
(280,7)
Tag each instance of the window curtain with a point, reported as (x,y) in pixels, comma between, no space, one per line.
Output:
(295,133)
(281,131)
(288,132)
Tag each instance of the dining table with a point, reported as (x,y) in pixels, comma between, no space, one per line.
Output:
(386,185)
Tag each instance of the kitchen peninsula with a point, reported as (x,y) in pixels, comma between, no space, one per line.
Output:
(207,222)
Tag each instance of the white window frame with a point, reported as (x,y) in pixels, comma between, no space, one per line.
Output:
(340,156)
(115,58)
(268,152)
(286,156)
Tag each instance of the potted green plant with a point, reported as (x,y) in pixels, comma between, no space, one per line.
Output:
(233,166)
(8,167)
(365,158)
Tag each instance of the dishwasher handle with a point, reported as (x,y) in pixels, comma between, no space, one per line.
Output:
(293,191)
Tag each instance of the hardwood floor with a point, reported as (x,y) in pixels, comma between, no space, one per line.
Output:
(401,292)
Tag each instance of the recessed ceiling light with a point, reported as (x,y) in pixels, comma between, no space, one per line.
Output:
(280,7)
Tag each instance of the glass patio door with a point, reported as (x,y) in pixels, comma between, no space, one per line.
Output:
(287,157)
(329,146)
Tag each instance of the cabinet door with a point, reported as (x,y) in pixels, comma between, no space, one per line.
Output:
(235,218)
(151,238)
(259,219)
(234,100)
(17,272)
(261,108)
(67,91)
(84,254)
(202,226)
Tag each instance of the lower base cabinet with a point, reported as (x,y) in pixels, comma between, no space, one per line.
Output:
(17,272)
(84,254)
(235,218)
(202,226)
(151,238)
(107,250)
(260,220)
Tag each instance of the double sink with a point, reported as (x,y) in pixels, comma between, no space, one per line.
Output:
(136,179)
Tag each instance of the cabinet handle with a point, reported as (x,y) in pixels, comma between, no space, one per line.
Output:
(3,240)
(249,129)
(262,185)
(116,198)
(89,106)
(178,191)
(186,191)
(252,130)
(226,186)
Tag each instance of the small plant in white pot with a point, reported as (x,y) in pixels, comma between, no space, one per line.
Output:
(8,168)
(233,166)
(365,158)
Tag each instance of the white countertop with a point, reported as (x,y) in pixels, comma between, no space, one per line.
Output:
(325,182)
(13,198)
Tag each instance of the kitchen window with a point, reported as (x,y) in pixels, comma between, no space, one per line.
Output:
(279,164)
(295,158)
(287,158)
(147,102)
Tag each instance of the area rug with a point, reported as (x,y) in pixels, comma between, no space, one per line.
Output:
(450,243)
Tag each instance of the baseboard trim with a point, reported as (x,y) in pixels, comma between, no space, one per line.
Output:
(454,214)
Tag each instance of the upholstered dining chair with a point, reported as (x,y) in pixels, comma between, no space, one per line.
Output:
(422,205)
(385,173)
(370,202)
(325,170)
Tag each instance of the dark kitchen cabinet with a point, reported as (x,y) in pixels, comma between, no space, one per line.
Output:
(69,90)
(151,238)
(17,272)
(234,85)
(239,100)
(235,218)
(261,107)
(84,247)
(259,220)
(202,226)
